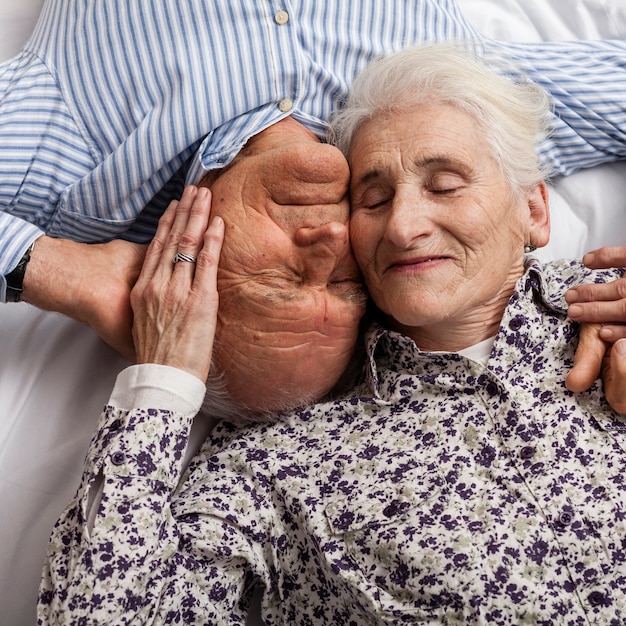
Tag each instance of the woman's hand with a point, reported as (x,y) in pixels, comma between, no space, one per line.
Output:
(175,303)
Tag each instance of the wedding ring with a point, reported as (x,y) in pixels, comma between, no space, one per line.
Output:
(181,256)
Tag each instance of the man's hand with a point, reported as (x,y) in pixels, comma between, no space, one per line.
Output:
(602,303)
(588,360)
(88,282)
(175,303)
(602,309)
(614,376)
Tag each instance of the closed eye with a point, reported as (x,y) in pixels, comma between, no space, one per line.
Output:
(444,183)
(371,204)
(350,290)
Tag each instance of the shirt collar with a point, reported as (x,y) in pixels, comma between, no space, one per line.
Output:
(541,287)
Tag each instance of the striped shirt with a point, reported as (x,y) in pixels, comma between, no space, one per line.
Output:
(112,103)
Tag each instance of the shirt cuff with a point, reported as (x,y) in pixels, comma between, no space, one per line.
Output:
(17,237)
(158,387)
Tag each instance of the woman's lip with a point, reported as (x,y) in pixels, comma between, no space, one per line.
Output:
(415,261)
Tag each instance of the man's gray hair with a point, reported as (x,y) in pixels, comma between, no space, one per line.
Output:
(513,114)
(219,403)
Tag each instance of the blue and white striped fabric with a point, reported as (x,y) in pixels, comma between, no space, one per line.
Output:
(103,112)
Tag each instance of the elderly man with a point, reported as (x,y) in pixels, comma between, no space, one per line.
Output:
(117,97)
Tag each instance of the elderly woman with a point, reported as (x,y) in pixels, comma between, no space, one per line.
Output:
(459,482)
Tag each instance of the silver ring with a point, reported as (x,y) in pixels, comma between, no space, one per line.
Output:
(181,256)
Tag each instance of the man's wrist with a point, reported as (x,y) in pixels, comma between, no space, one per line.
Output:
(15,278)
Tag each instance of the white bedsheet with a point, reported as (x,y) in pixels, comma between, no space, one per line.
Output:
(55,374)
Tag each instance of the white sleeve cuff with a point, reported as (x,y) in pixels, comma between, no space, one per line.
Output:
(158,387)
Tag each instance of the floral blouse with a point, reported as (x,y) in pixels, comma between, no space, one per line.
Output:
(440,491)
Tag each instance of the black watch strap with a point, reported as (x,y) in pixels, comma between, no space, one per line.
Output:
(15,278)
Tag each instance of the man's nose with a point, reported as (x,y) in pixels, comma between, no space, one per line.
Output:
(325,245)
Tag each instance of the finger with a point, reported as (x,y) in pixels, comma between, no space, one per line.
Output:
(614,374)
(155,248)
(197,222)
(179,227)
(603,292)
(158,265)
(205,281)
(184,237)
(587,360)
(612,332)
(608,256)
(611,312)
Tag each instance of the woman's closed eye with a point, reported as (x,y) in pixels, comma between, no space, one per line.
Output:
(444,184)
(372,199)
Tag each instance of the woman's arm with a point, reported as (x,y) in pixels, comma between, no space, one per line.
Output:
(119,554)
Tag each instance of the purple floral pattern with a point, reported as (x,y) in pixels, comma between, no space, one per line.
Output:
(442,492)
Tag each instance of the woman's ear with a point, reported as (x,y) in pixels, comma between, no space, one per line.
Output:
(539,206)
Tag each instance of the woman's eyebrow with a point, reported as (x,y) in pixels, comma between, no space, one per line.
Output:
(427,162)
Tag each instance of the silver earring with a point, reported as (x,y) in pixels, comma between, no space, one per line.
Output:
(529,247)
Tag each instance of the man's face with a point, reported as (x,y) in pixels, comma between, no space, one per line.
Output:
(291,295)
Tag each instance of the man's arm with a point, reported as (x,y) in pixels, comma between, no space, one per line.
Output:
(586,81)
(88,282)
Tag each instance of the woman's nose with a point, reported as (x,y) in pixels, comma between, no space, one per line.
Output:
(406,221)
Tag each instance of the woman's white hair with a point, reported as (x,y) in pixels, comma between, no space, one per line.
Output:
(513,115)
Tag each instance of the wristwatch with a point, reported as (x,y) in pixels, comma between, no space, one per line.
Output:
(15,278)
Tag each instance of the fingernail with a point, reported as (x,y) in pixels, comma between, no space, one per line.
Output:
(606,334)
(588,258)
(620,347)
(574,311)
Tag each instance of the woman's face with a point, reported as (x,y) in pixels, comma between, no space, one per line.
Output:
(434,227)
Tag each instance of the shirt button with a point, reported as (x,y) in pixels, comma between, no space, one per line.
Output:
(492,388)
(118,458)
(282,17)
(565,519)
(516,323)
(527,452)
(394,508)
(596,598)
(285,105)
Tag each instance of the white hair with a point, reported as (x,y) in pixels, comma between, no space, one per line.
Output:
(219,403)
(513,115)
